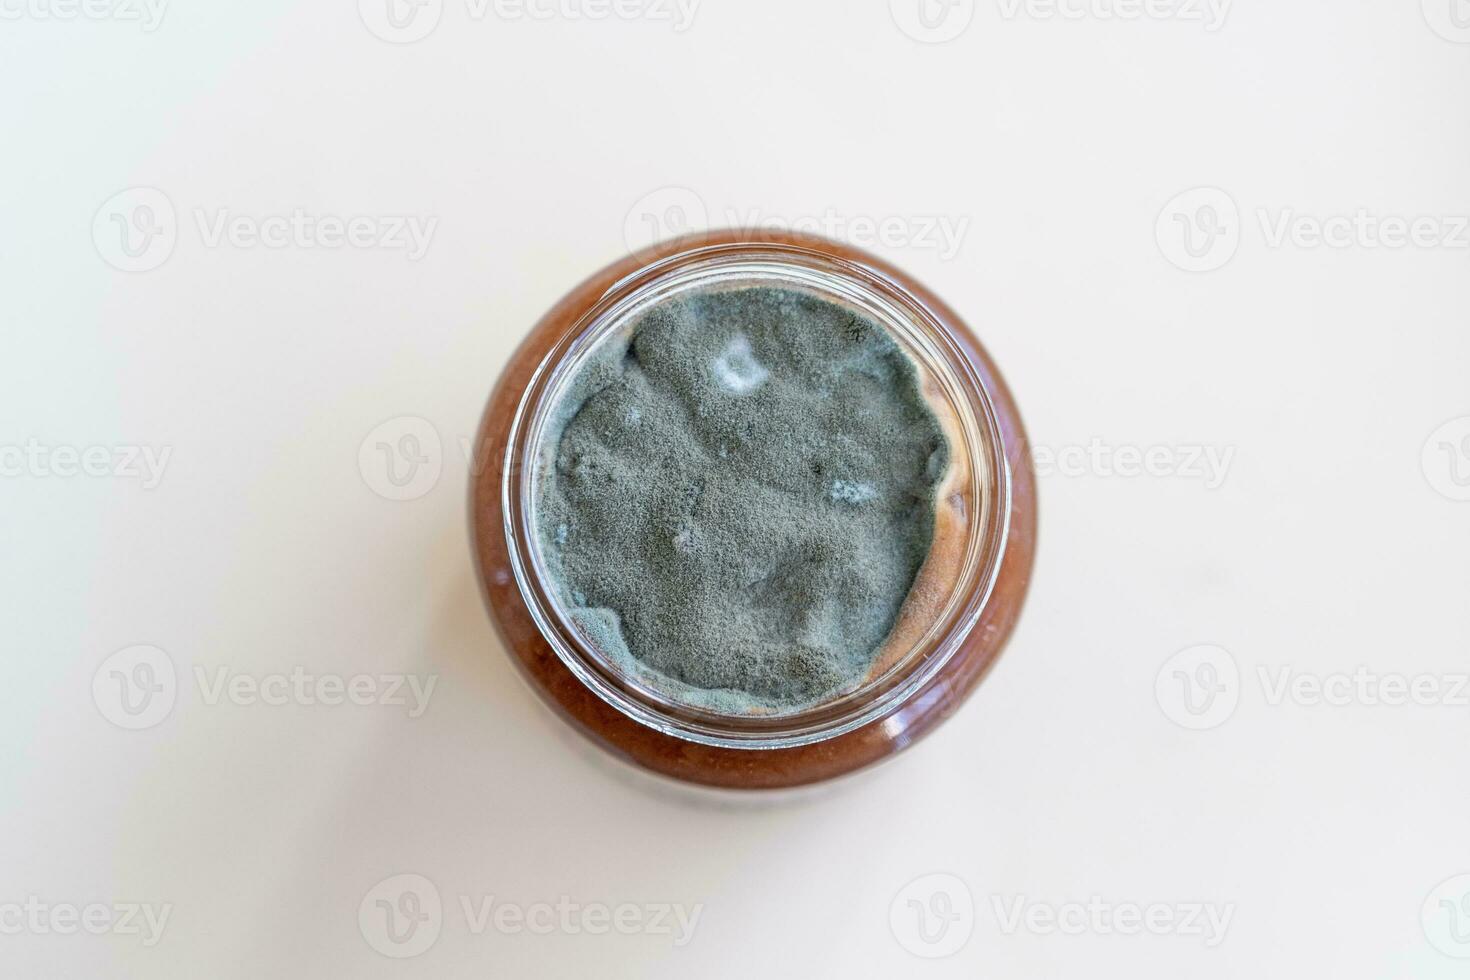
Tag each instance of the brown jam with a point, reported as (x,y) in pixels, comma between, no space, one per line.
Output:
(959,612)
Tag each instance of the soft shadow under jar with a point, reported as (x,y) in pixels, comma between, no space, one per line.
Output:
(592,651)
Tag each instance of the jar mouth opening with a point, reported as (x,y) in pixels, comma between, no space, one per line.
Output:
(981,491)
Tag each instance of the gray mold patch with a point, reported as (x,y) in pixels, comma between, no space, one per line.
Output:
(737,494)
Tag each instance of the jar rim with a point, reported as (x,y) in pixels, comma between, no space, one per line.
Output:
(925,337)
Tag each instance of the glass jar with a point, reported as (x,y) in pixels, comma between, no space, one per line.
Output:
(959,613)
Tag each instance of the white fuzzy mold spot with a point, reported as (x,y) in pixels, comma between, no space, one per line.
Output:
(737,369)
(846,492)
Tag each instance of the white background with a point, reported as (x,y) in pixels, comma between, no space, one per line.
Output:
(544,148)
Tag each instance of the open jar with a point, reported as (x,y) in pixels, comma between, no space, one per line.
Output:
(951,627)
